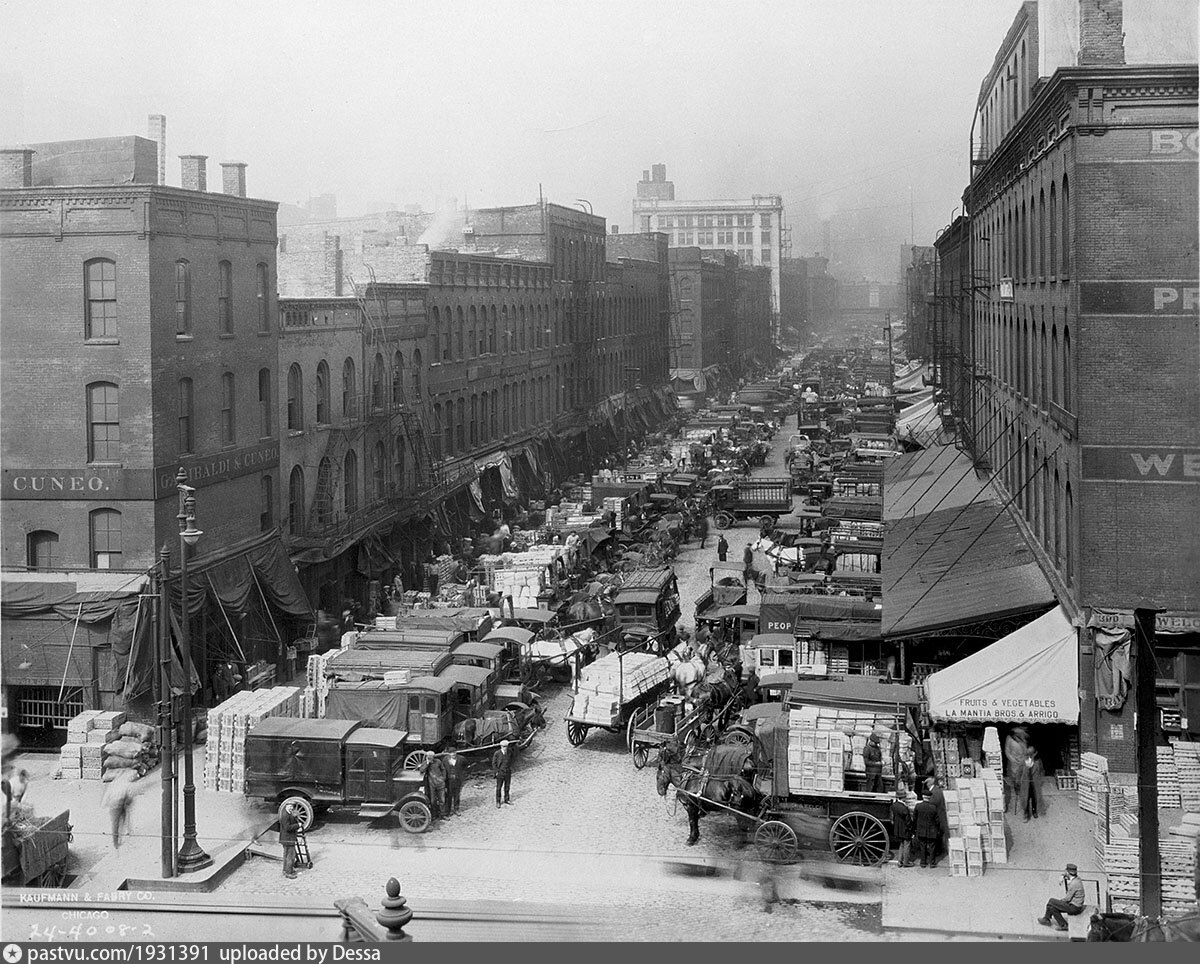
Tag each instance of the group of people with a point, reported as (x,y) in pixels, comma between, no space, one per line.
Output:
(924,831)
(1023,775)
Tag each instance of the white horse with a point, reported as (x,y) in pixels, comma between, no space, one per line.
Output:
(687,667)
(779,555)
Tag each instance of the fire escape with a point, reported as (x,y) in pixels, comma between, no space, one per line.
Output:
(393,420)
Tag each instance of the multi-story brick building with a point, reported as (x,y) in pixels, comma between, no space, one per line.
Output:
(752,228)
(139,338)
(1084,341)
(919,280)
(808,296)
(704,294)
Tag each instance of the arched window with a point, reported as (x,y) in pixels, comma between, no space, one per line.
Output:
(1066,227)
(349,388)
(266,503)
(1069,534)
(1045,487)
(350,482)
(397,380)
(187,434)
(492,330)
(506,401)
(435,326)
(322,393)
(378,377)
(225,297)
(448,427)
(1055,397)
(1043,369)
(473,332)
(1068,401)
(323,501)
(473,432)
(461,424)
(183,298)
(228,410)
(1053,230)
(104,423)
(459,334)
(262,294)
(1041,234)
(100,284)
(495,425)
(417,365)
(41,548)
(505,331)
(295,399)
(1058,522)
(1022,251)
(296,501)
(265,415)
(379,472)
(104,529)
(437,426)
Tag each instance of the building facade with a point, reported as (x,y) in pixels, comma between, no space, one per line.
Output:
(704,290)
(753,228)
(1085,340)
(808,297)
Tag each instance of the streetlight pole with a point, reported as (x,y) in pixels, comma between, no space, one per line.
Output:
(166,724)
(191,855)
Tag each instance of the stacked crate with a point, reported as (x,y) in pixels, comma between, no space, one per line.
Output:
(1177,864)
(1169,797)
(71,756)
(816,756)
(1187,763)
(947,762)
(618,508)
(228,724)
(609,679)
(975,813)
(1093,775)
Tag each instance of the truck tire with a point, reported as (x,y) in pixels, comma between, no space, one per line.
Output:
(723,520)
(305,811)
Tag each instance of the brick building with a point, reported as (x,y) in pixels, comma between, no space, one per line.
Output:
(1084,334)
(808,297)
(918,281)
(752,228)
(704,296)
(140,337)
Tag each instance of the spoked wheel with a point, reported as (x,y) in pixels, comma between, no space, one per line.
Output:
(858,838)
(641,755)
(415,816)
(415,759)
(722,520)
(52,876)
(576,733)
(776,841)
(305,812)
(738,737)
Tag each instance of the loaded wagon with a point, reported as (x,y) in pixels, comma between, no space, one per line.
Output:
(612,689)
(762,499)
(36,850)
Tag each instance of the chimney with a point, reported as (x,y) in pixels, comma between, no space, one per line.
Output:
(158,134)
(193,172)
(616,229)
(16,167)
(645,175)
(233,178)
(660,171)
(1101,37)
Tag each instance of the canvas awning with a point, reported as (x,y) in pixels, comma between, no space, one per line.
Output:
(1029,676)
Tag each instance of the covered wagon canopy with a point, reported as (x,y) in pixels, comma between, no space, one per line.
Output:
(1029,676)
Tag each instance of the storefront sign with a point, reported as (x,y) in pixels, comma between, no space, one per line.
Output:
(88,482)
(217,468)
(1116,731)
(1171,143)
(1009,708)
(1139,297)
(1124,463)
(1168,622)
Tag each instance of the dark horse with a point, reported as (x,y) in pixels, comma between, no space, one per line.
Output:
(711,781)
(1128,927)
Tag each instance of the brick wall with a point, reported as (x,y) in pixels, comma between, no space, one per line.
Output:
(1101,37)
(310,266)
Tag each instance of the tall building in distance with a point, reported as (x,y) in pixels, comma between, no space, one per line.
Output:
(752,228)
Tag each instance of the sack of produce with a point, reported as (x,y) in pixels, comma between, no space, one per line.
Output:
(140,731)
(126,748)
(121,763)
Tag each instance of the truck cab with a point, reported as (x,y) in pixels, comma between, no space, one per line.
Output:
(647,607)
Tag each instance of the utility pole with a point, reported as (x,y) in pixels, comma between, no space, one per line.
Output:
(166,725)
(1146,727)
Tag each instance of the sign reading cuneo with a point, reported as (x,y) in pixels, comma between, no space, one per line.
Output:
(86,482)
(1122,463)
(208,470)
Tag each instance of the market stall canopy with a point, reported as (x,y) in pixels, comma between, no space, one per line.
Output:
(937,477)
(852,694)
(1029,676)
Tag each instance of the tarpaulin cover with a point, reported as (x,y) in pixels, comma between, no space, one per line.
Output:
(373,704)
(724,761)
(1029,676)
(852,694)
(231,577)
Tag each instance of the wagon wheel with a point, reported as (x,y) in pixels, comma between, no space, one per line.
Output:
(689,742)
(416,759)
(776,841)
(722,520)
(576,733)
(641,755)
(859,838)
(637,721)
(52,876)
(738,737)
(415,816)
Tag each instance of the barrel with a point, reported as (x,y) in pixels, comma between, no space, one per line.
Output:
(664,719)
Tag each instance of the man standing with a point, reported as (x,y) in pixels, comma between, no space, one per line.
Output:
(902,829)
(748,564)
(925,827)
(454,781)
(702,529)
(502,766)
(289,823)
(436,774)
(873,758)
(119,800)
(722,549)
(1071,904)
(1014,763)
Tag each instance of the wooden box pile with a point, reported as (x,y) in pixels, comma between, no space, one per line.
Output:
(975,813)
(1177,862)
(817,755)
(1092,774)
(1187,763)
(610,678)
(1168,779)
(228,723)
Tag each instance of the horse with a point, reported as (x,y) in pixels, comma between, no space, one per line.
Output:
(716,780)
(1131,927)
(687,667)
(716,698)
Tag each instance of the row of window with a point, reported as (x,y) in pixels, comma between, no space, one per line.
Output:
(104,415)
(101,303)
(1031,236)
(471,271)
(385,385)
(710,221)
(1033,356)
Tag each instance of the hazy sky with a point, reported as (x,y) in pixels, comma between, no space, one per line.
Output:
(841,106)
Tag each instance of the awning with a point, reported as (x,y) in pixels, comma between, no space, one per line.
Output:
(1029,676)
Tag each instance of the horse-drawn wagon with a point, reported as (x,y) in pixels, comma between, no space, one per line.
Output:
(612,689)
(36,849)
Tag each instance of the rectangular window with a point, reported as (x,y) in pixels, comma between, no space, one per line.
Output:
(100,279)
(264,402)
(266,516)
(766,236)
(745,237)
(105,526)
(745,220)
(183,298)
(262,295)
(104,423)
(704,237)
(707,221)
(227,409)
(40,549)
(225,298)
(766,256)
(665,222)
(186,438)
(724,237)
(764,222)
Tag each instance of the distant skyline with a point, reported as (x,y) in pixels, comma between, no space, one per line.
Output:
(846,108)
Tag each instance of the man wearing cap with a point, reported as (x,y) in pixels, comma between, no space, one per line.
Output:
(873,759)
(1072,904)
(502,765)
(289,824)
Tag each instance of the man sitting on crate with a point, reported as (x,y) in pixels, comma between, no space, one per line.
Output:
(1071,904)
